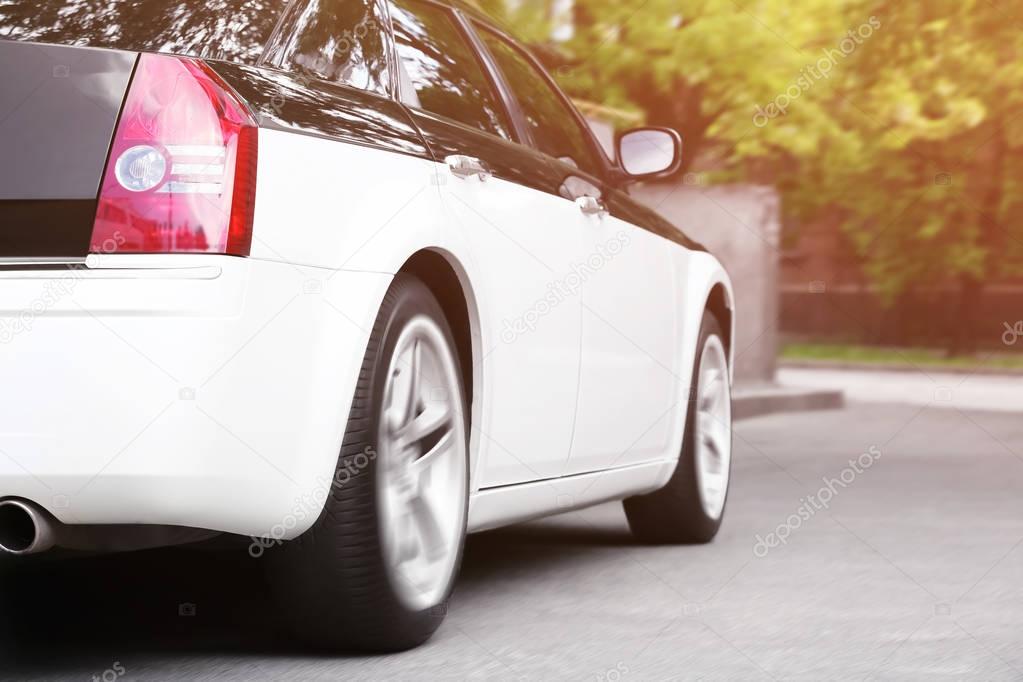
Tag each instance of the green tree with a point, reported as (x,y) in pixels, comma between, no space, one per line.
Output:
(701,66)
(931,197)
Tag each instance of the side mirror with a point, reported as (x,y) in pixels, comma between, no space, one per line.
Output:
(649,153)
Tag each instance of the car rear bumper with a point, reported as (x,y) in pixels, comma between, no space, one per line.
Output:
(199,391)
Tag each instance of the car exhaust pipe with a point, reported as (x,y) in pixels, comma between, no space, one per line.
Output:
(25,528)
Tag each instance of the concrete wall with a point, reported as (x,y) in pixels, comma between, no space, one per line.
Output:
(740,225)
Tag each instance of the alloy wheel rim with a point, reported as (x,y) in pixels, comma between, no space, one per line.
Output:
(422,465)
(713,428)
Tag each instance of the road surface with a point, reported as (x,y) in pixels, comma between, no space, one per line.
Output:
(906,563)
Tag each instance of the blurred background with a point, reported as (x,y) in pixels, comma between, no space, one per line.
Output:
(868,148)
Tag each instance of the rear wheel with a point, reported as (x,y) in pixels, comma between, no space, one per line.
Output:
(690,507)
(376,570)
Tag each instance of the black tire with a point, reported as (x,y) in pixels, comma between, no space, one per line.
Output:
(674,514)
(332,583)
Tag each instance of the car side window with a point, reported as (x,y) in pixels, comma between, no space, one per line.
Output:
(442,68)
(550,119)
(340,41)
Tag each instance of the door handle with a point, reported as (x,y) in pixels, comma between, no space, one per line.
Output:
(591,206)
(466,167)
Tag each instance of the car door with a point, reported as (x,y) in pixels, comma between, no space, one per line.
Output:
(525,241)
(628,407)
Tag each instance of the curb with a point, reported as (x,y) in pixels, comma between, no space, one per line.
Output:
(757,401)
(895,368)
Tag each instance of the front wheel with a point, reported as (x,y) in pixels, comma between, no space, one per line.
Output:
(376,570)
(690,507)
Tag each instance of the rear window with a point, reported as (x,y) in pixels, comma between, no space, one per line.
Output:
(232,30)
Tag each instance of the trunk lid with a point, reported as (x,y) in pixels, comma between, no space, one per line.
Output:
(59,107)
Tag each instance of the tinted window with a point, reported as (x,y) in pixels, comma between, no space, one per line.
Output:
(551,120)
(234,30)
(341,41)
(442,69)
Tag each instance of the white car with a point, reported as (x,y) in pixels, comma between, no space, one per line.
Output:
(347,278)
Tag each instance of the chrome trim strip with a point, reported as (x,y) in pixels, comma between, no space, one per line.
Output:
(204,150)
(85,273)
(197,169)
(48,265)
(179,187)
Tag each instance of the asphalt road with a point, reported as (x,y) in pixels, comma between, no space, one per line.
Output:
(910,566)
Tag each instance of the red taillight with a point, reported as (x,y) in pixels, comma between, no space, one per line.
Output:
(181,177)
